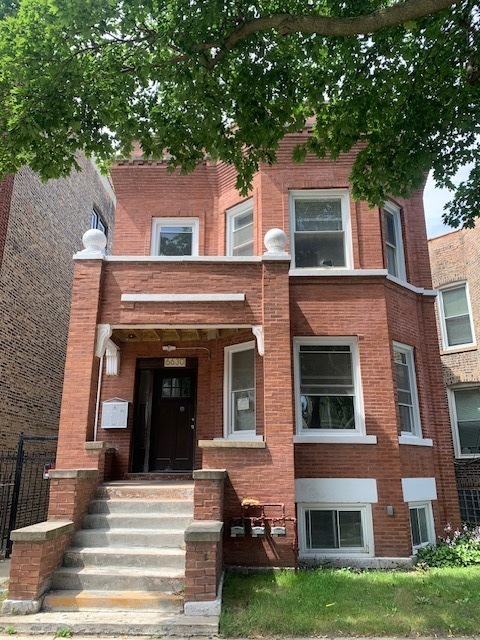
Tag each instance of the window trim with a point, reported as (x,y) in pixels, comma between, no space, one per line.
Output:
(367,526)
(231,214)
(178,222)
(95,219)
(427,504)
(395,211)
(441,316)
(452,407)
(358,405)
(229,434)
(323,194)
(409,351)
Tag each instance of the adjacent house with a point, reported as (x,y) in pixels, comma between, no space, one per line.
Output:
(455,260)
(281,349)
(40,228)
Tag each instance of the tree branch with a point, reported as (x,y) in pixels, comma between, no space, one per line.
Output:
(286,23)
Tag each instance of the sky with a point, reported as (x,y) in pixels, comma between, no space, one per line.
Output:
(433,200)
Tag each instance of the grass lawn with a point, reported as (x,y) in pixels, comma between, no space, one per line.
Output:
(328,601)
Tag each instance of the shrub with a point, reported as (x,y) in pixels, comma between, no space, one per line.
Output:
(457,548)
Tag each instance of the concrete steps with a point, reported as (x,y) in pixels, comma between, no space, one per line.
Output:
(129,556)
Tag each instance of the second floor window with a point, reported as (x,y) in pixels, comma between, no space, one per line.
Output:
(406,390)
(455,316)
(393,241)
(320,229)
(98,222)
(174,237)
(240,230)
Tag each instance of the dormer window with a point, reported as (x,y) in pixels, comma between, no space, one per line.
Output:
(174,237)
(320,229)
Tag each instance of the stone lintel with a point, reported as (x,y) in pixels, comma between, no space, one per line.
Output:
(42,531)
(204,531)
(231,444)
(210,474)
(61,474)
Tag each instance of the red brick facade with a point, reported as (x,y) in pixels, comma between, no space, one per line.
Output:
(455,260)
(377,470)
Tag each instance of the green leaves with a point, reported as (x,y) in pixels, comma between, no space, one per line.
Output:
(98,74)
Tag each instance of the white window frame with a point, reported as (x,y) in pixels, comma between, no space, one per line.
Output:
(409,352)
(367,526)
(358,406)
(427,505)
(234,212)
(157,223)
(227,393)
(394,211)
(441,315)
(324,194)
(452,405)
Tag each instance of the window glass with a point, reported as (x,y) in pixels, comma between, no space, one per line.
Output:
(327,387)
(406,389)
(457,316)
(98,223)
(393,242)
(333,529)
(419,526)
(242,390)
(175,241)
(467,405)
(319,234)
(242,234)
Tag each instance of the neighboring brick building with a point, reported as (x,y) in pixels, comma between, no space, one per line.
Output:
(312,377)
(41,225)
(455,262)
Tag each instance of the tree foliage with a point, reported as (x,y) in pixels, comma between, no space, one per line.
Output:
(231,77)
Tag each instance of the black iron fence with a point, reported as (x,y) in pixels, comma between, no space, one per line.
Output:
(24,485)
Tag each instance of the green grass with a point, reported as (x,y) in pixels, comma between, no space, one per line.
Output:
(342,602)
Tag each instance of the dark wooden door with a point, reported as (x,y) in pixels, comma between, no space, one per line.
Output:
(173,421)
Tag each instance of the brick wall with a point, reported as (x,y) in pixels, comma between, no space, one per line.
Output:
(46,222)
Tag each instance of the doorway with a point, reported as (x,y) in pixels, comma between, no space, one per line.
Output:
(164,429)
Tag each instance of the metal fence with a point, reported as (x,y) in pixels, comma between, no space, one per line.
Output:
(24,485)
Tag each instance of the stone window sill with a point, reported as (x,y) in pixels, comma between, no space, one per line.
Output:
(334,439)
(415,440)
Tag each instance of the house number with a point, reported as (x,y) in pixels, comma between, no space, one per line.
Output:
(175,362)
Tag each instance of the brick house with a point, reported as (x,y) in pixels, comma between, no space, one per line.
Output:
(40,229)
(302,375)
(455,261)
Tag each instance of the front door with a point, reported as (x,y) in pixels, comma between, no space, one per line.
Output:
(173,420)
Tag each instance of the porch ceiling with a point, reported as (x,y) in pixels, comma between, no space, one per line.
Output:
(172,334)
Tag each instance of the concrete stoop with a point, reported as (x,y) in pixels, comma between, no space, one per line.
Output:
(113,623)
(125,571)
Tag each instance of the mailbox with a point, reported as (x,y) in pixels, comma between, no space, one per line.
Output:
(115,414)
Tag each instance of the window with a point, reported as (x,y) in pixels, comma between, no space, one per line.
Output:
(421,525)
(334,529)
(455,316)
(327,385)
(240,230)
(320,229)
(393,241)
(239,398)
(465,410)
(98,222)
(406,390)
(174,237)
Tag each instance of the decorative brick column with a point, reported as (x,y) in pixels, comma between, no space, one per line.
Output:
(70,492)
(208,494)
(203,568)
(37,552)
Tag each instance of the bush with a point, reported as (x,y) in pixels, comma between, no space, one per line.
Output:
(458,548)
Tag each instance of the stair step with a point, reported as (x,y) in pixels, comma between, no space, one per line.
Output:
(113,601)
(119,505)
(114,623)
(148,490)
(125,556)
(158,521)
(118,578)
(129,538)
